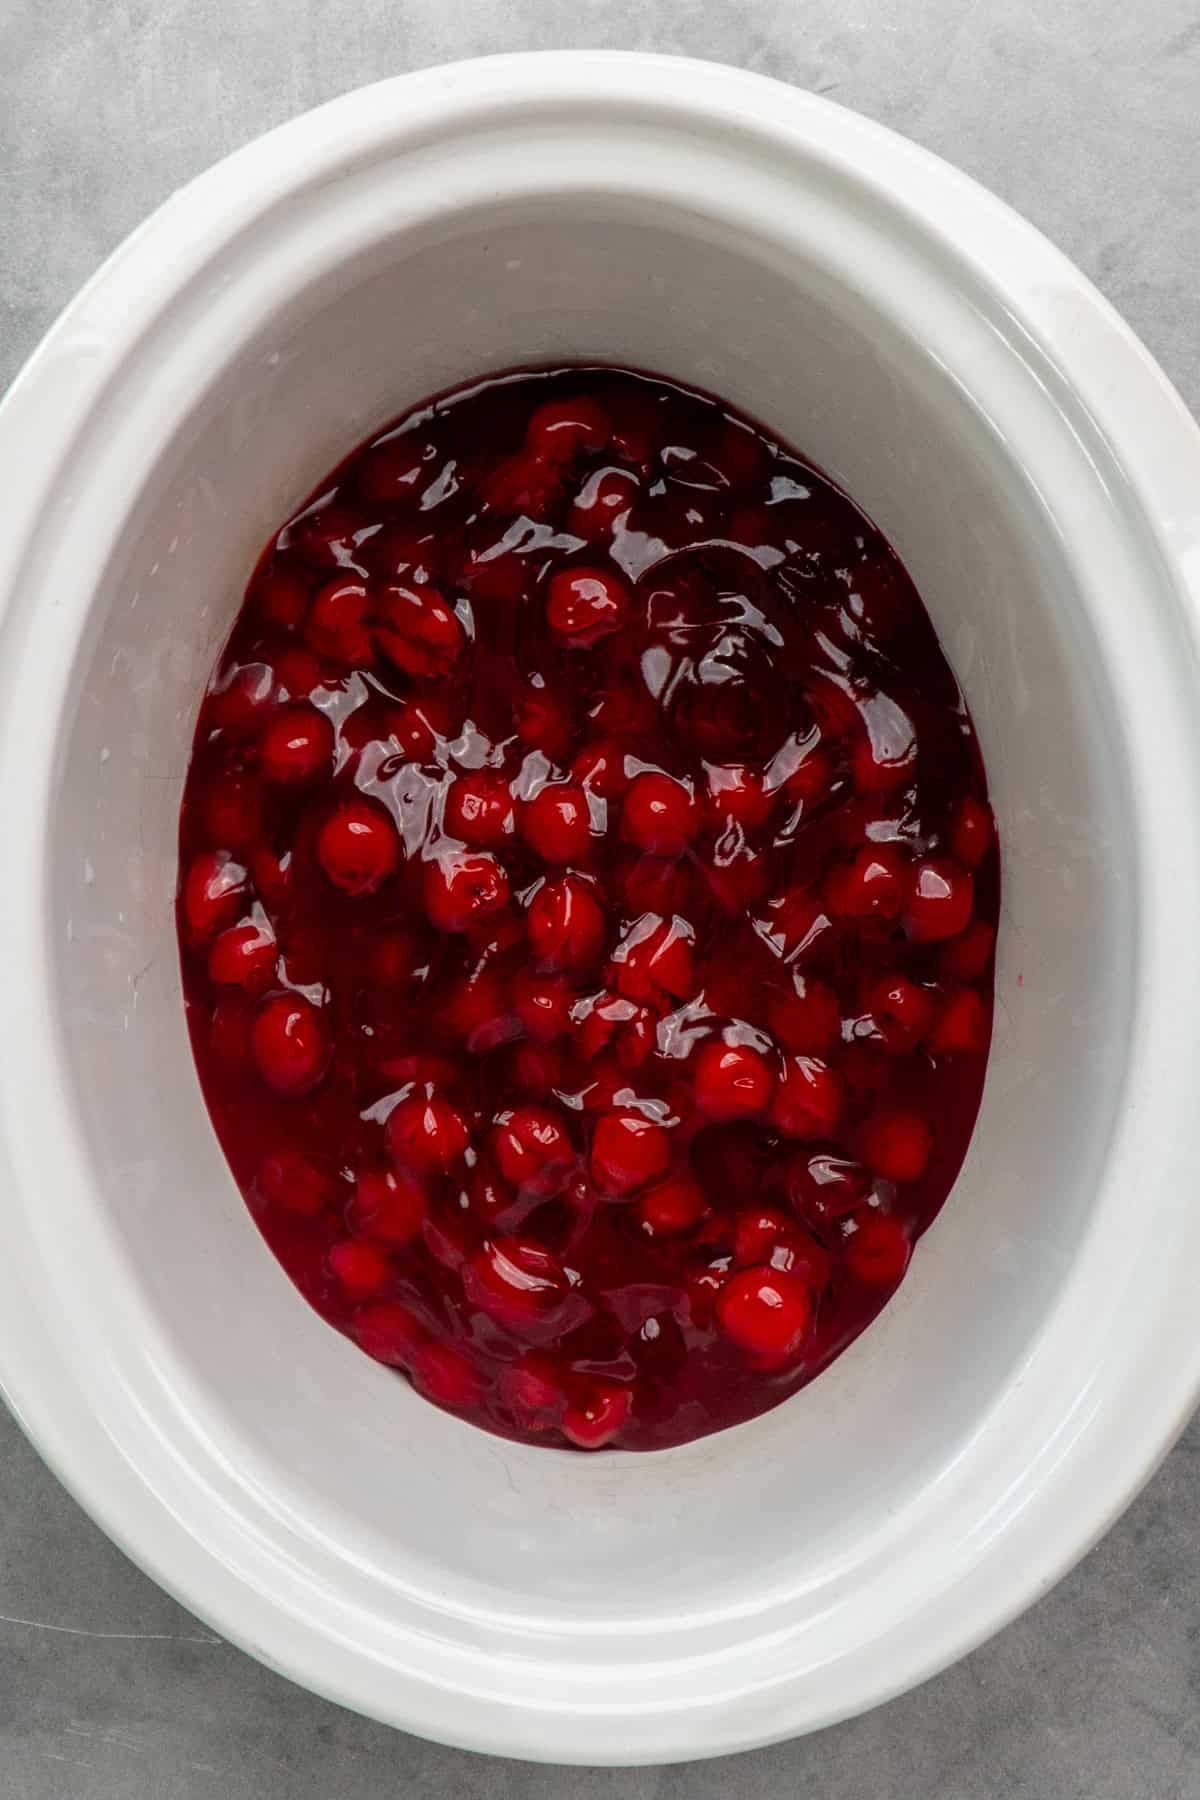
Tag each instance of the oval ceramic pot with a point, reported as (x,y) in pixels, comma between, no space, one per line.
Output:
(1041,481)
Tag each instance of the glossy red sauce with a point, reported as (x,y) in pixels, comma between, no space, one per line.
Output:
(587,900)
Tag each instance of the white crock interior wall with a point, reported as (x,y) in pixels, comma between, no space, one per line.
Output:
(417,1497)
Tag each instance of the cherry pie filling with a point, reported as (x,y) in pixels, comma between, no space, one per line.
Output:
(587,904)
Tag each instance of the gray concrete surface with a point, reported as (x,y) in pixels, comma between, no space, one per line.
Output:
(1086,116)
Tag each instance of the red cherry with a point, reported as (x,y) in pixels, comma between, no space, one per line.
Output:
(737,883)
(243,956)
(538,1069)
(637,1040)
(739,452)
(233,811)
(393,473)
(304,956)
(972,830)
(358,846)
(655,884)
(672,1206)
(939,902)
(410,553)
(298,673)
(703,1286)
(796,925)
(962,1027)
(637,431)
(878,1250)
(296,745)
(337,624)
(444,1376)
(834,704)
(584,605)
(967,956)
(527,484)
(388,1204)
(272,876)
(566,924)
(616,1022)
(758,1231)
(325,533)
(766,1311)
(486,1197)
(556,823)
(809,1099)
(479,809)
(601,768)
(750,526)
(871,886)
(900,1011)
(732,1081)
(530,1145)
(396,957)
(360,1269)
(477,1010)
(367,723)
(866,1070)
(515,1281)
(417,726)
(449,1239)
(801,1255)
(659,814)
(856,822)
(214,889)
(878,601)
(625,712)
(497,935)
(543,1004)
(462,888)
(885,756)
(289,1044)
(560,429)
(532,1391)
(417,630)
(876,772)
(810,780)
(738,794)
(823,1188)
(723,985)
(804,1017)
(281,597)
(653,958)
(288,1180)
(603,1020)
(896,1144)
(425,1134)
(604,499)
(494,573)
(240,702)
(596,1419)
(541,722)
(628,1152)
(387,1331)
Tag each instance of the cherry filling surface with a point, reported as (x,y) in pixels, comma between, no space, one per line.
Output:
(587,900)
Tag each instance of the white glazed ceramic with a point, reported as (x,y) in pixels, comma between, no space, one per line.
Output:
(1043,484)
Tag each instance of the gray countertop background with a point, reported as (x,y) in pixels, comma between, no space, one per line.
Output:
(1085,115)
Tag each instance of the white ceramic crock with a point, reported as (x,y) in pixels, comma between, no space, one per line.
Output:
(1042,483)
